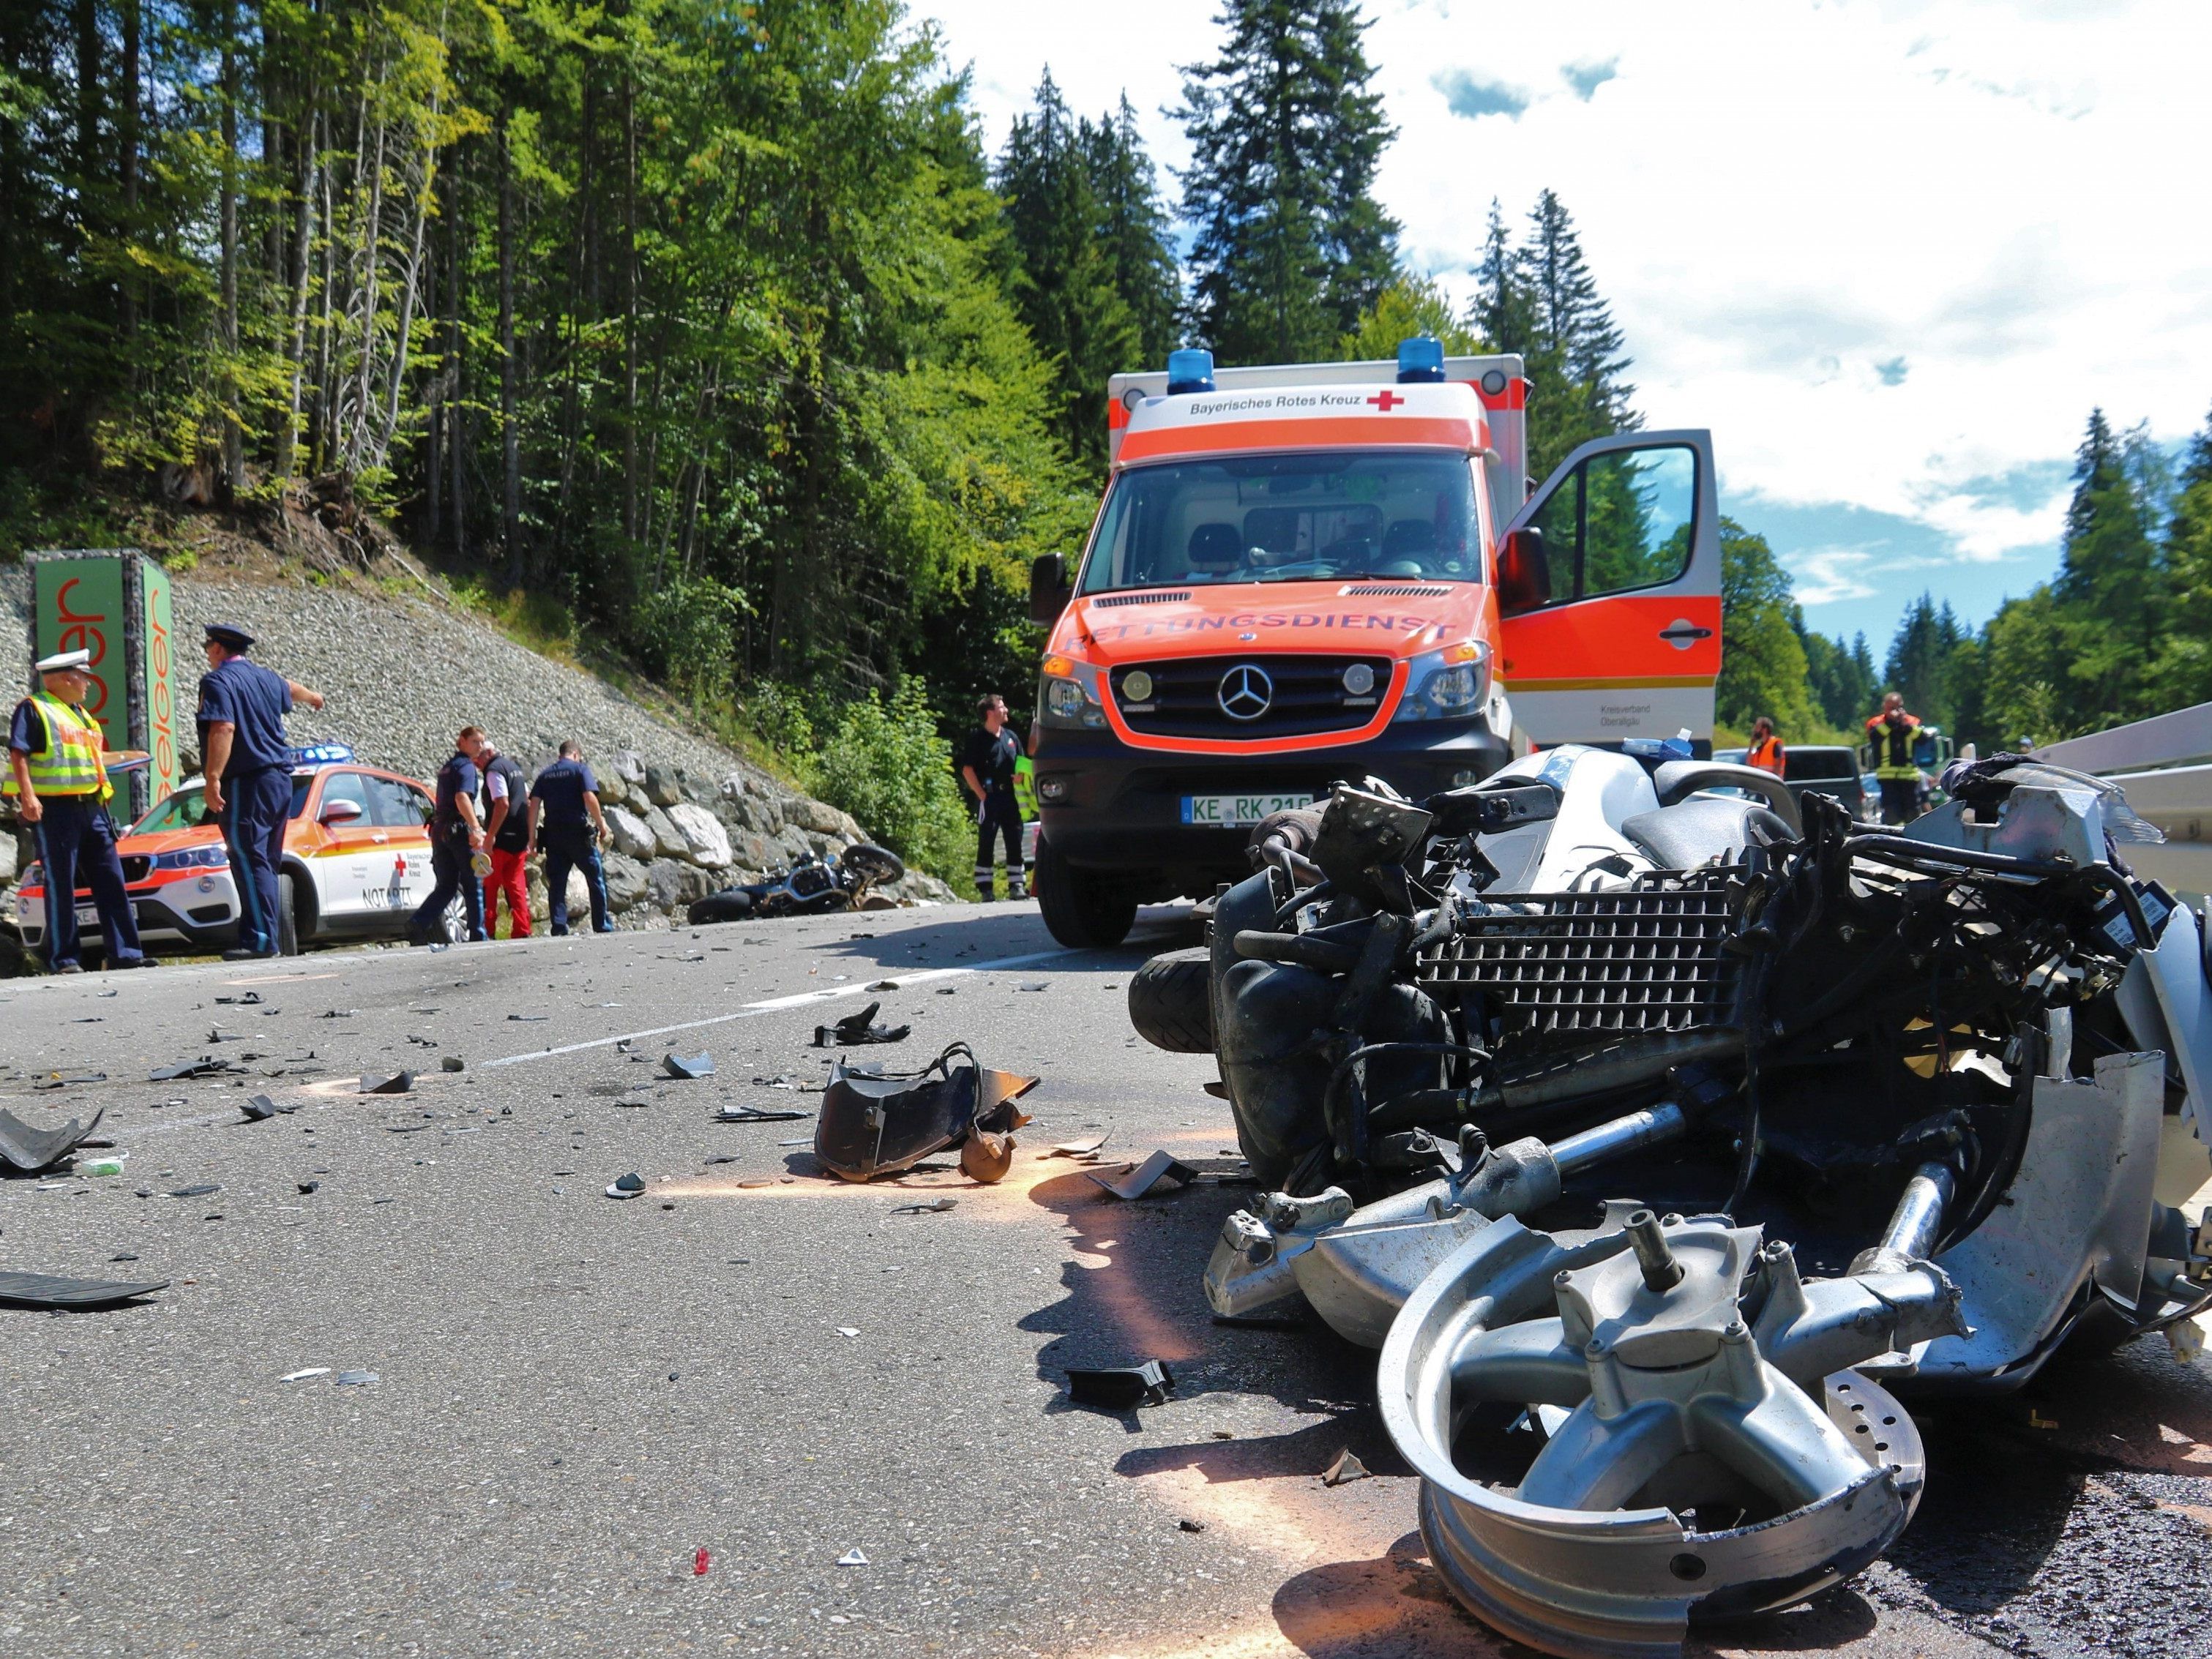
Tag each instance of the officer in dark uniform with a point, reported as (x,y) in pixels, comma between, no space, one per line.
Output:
(58,774)
(987,764)
(565,819)
(457,840)
(247,762)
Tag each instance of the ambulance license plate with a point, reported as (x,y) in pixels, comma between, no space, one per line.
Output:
(1240,811)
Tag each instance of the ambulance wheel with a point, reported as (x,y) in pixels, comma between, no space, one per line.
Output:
(288,917)
(1082,909)
(1170,1001)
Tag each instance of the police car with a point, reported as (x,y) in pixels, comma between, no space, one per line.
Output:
(356,864)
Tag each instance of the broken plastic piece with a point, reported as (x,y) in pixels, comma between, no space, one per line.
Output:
(1077,1148)
(1345,1469)
(301,1377)
(526,1019)
(398,1083)
(258,1107)
(356,1379)
(857,1029)
(851,1558)
(698,1066)
(251,999)
(935,1207)
(200,1191)
(1133,1183)
(874,1125)
(1122,1387)
(629,1186)
(699,1561)
(205,1066)
(756,1114)
(47,1291)
(452,1063)
(29,1150)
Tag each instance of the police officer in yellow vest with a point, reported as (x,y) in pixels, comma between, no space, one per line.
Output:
(58,774)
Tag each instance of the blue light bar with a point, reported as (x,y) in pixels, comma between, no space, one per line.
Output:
(1189,370)
(323,754)
(1420,359)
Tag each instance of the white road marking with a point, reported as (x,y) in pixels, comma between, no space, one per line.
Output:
(775,1004)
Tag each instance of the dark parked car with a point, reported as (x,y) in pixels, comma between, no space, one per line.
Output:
(1819,769)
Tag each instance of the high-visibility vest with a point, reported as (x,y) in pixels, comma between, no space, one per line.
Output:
(1765,755)
(1026,787)
(1892,748)
(70,765)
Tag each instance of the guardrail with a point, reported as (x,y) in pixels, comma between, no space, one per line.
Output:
(2165,764)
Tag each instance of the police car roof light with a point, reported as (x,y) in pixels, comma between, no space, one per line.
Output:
(1420,359)
(1189,370)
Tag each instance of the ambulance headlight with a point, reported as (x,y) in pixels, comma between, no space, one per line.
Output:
(1451,684)
(1068,699)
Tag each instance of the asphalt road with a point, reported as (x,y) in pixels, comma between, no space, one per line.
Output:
(575,1395)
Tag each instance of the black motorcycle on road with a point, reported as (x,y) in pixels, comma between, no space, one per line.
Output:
(810,886)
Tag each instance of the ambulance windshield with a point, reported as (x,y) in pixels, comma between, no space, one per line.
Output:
(1318,517)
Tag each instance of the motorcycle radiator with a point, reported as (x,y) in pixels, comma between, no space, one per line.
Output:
(1650,957)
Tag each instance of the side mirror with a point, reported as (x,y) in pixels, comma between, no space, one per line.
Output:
(1524,572)
(1049,592)
(339,811)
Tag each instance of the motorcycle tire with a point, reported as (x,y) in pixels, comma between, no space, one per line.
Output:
(879,864)
(1171,1001)
(731,904)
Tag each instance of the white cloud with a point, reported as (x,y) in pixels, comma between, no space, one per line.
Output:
(1789,203)
(1829,573)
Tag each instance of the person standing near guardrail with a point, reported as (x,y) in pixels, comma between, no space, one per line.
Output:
(1889,734)
(58,772)
(988,762)
(247,762)
(1765,752)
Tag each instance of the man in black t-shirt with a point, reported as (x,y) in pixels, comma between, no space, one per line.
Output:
(987,766)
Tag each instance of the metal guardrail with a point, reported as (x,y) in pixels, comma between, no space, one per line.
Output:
(2179,739)
(2162,763)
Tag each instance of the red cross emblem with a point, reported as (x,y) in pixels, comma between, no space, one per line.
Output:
(1386,400)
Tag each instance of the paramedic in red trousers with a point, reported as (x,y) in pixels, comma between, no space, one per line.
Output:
(58,772)
(507,834)
(987,766)
(247,762)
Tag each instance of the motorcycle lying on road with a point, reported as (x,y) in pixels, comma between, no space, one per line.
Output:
(810,886)
(1661,1131)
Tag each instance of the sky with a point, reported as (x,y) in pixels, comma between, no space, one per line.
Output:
(1891,252)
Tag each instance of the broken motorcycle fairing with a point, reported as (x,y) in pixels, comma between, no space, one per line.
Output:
(1654,1126)
(882,1123)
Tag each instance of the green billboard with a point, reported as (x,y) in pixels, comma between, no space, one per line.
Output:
(114,604)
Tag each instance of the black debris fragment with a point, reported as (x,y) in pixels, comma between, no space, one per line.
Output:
(1133,1183)
(1122,1387)
(696,1065)
(251,999)
(527,1019)
(754,1114)
(56,1080)
(216,1034)
(856,1029)
(421,1042)
(200,1191)
(47,1291)
(452,1063)
(936,1206)
(205,1066)
(1346,1469)
(1188,1525)
(29,1150)
(258,1107)
(630,1186)
(398,1083)
(340,1014)
(310,1186)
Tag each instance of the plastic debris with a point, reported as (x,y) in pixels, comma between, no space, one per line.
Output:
(452,1063)
(56,1080)
(1188,1525)
(340,1014)
(630,1186)
(857,1029)
(757,1115)
(1346,1469)
(216,1034)
(200,1191)
(356,1379)
(527,1019)
(47,1291)
(1120,1387)
(849,1330)
(29,1150)
(111,1164)
(935,1207)
(251,999)
(301,1377)
(1136,1181)
(398,1083)
(258,1107)
(697,1065)
(851,1558)
(700,1559)
(310,1186)
(205,1066)
(1077,1148)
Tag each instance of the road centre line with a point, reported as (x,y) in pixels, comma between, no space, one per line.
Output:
(775,1004)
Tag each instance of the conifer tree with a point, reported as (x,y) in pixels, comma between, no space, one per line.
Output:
(1134,227)
(1292,247)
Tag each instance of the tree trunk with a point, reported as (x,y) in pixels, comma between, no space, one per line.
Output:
(303,255)
(127,132)
(510,438)
(87,19)
(432,471)
(456,413)
(632,530)
(233,436)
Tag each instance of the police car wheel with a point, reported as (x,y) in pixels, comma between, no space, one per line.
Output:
(288,917)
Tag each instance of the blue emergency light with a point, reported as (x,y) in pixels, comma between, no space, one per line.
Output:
(1420,359)
(323,754)
(1189,370)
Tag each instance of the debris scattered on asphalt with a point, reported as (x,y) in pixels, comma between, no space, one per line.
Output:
(1030,987)
(849,1330)
(421,1042)
(340,1014)
(527,1019)
(301,1377)
(216,1034)
(884,1124)
(258,1107)
(452,1063)
(1120,1387)
(935,1207)
(56,1080)
(851,1558)
(785,1080)
(200,1191)
(48,1291)
(629,1186)
(1136,1180)
(310,1186)
(205,1066)
(123,1255)
(1188,1525)
(1346,1469)
(700,1559)
(757,1115)
(1077,1148)
(356,1379)
(30,1151)
(693,1067)
(858,1028)
(398,1083)
(723,1157)
(110,1165)
(884,984)
(251,999)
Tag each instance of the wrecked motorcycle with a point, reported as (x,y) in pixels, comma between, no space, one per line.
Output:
(1661,1138)
(812,886)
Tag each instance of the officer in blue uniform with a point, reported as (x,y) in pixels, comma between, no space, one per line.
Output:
(247,762)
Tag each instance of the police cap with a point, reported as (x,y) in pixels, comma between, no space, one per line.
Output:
(230,638)
(63,661)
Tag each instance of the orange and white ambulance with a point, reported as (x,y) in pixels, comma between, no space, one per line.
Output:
(1332,571)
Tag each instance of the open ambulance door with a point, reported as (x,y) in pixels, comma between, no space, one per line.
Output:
(1609,594)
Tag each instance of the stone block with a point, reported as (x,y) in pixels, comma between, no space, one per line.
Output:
(668,841)
(626,884)
(671,884)
(632,838)
(706,843)
(663,786)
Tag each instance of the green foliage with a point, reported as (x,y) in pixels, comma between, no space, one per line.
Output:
(684,631)
(1411,306)
(886,765)
(1841,677)
(1762,669)
(1291,249)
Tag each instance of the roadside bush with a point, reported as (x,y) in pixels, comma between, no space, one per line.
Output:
(885,764)
(686,632)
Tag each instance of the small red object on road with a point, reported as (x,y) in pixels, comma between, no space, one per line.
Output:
(699,1562)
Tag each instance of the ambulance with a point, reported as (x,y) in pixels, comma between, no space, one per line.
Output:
(1328,571)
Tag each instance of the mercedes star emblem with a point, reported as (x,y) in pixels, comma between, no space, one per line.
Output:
(1246,692)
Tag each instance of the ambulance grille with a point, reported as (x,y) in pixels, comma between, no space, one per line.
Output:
(1400,590)
(1306,695)
(1113,599)
(1652,957)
